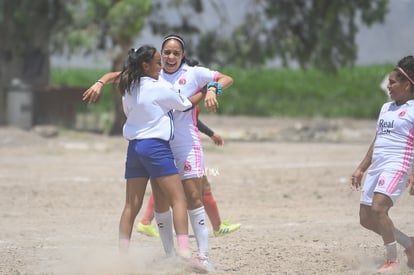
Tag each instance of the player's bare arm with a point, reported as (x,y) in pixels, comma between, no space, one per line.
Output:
(356,177)
(210,102)
(92,94)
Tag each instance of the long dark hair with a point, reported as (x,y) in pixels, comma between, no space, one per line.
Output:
(133,69)
(405,70)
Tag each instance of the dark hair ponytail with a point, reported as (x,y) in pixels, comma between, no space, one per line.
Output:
(133,70)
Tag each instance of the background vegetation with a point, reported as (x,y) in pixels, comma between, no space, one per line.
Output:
(310,34)
(352,92)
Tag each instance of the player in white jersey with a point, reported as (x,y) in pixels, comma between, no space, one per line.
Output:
(147,103)
(186,144)
(388,164)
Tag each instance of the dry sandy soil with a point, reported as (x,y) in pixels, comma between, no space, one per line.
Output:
(284,180)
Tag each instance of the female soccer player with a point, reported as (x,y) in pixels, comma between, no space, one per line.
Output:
(388,164)
(147,103)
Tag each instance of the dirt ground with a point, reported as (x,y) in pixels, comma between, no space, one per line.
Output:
(284,180)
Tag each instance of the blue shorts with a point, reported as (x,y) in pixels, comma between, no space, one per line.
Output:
(149,158)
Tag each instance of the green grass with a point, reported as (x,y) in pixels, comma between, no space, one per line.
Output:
(294,93)
(352,92)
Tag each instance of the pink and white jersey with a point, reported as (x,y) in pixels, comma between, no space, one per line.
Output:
(186,144)
(188,81)
(393,147)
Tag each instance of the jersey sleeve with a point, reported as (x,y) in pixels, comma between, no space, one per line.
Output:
(204,75)
(173,100)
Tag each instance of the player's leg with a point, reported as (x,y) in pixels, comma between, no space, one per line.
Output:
(145,224)
(135,191)
(220,228)
(148,215)
(136,182)
(190,165)
(197,214)
(210,205)
(380,207)
(367,220)
(168,192)
(385,195)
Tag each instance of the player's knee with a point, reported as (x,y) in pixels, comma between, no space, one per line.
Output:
(194,201)
(378,211)
(131,210)
(365,219)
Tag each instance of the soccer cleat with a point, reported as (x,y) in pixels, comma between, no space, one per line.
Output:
(147,229)
(205,264)
(197,264)
(226,227)
(390,266)
(410,255)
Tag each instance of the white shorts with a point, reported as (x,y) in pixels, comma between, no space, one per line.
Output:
(389,183)
(189,161)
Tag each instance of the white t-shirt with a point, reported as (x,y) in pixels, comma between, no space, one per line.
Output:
(188,81)
(148,109)
(393,147)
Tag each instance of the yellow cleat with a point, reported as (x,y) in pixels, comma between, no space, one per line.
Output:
(226,228)
(147,229)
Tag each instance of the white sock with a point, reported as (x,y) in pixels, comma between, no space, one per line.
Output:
(402,239)
(391,249)
(165,229)
(198,223)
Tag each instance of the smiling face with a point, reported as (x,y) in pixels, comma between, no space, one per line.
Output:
(153,68)
(172,56)
(400,90)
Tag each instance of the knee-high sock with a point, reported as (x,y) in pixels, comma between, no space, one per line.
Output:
(402,239)
(165,229)
(149,211)
(211,209)
(198,223)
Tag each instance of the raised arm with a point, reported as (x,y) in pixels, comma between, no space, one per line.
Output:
(196,98)
(92,93)
(210,102)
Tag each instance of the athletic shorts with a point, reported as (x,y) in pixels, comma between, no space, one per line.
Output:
(190,161)
(149,158)
(390,183)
